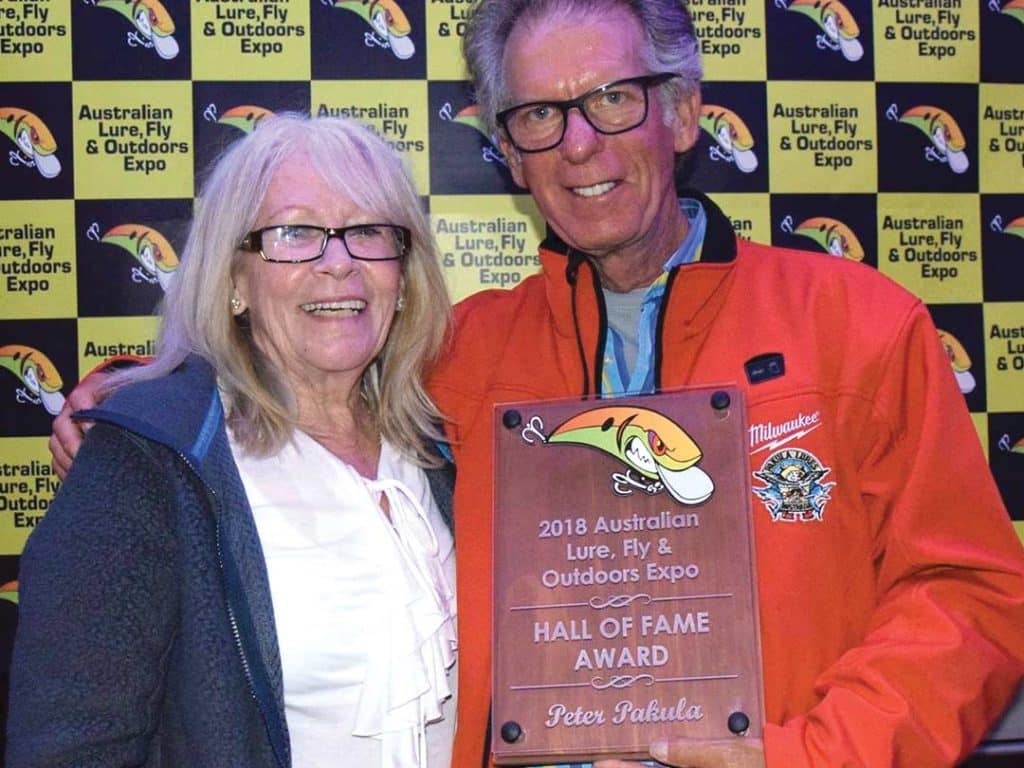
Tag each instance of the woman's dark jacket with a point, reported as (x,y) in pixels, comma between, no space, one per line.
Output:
(146,633)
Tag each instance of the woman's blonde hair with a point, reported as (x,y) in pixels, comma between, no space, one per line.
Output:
(197,317)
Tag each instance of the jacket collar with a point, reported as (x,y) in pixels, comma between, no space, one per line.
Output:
(182,411)
(577,305)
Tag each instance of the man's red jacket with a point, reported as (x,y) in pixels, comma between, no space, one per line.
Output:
(893,626)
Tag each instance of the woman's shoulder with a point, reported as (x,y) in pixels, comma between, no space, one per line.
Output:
(176,409)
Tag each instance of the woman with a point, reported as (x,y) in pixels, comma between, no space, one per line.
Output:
(246,566)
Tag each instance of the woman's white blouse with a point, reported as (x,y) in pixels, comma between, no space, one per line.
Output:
(364,606)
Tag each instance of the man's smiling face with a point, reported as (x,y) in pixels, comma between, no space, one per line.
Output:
(602,194)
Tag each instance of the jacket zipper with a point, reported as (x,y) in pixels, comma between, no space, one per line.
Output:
(232,619)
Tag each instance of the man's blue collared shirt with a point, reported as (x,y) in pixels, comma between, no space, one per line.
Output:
(617,379)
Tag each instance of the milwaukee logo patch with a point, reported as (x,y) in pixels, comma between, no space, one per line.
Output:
(770,436)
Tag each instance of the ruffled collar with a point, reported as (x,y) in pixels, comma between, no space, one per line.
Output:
(406,679)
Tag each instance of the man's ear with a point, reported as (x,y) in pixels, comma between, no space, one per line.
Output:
(515,160)
(687,122)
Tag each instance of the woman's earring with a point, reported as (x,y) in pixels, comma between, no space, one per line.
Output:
(400,304)
(236,306)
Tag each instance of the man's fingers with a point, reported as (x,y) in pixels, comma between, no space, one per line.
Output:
(67,433)
(710,753)
(59,457)
(84,395)
(66,439)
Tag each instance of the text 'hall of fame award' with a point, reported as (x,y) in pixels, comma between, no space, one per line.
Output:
(625,607)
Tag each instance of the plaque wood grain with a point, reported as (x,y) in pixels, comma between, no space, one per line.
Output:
(622,613)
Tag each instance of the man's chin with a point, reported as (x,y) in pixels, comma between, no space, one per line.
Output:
(593,242)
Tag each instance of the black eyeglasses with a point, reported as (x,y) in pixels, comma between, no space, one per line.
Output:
(610,108)
(296,243)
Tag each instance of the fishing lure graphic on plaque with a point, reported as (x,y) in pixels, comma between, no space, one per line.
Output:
(659,455)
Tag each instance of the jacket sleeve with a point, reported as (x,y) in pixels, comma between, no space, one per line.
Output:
(943,653)
(97,612)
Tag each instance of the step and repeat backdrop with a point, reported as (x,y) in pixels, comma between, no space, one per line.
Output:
(889,132)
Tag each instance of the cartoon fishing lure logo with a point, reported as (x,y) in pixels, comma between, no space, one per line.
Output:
(839,29)
(470,116)
(41,380)
(793,491)
(35,145)
(834,237)
(244,117)
(658,454)
(959,360)
(156,257)
(1014,9)
(389,24)
(153,25)
(948,144)
(734,141)
(1014,227)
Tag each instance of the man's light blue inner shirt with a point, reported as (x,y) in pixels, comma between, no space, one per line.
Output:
(633,317)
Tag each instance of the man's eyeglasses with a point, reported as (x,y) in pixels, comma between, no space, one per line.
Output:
(297,243)
(610,108)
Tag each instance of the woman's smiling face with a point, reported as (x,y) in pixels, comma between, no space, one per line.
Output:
(324,319)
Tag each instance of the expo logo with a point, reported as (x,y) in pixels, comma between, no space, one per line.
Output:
(157,260)
(470,116)
(839,28)
(40,379)
(834,237)
(245,117)
(153,25)
(734,142)
(389,26)
(35,146)
(658,454)
(948,144)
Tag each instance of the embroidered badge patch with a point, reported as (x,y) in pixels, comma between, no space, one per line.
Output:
(794,491)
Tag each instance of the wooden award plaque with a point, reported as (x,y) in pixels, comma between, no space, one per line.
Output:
(625,606)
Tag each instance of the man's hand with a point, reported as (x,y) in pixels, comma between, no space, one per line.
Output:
(68,433)
(710,753)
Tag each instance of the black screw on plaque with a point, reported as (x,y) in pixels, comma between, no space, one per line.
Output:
(511,731)
(511,419)
(720,400)
(738,721)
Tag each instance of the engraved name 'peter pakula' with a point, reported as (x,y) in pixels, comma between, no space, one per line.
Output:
(624,711)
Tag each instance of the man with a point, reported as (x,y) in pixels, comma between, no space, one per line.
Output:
(891,625)
(891,622)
